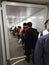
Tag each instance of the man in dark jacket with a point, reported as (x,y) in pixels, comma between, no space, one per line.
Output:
(25,28)
(30,41)
(42,51)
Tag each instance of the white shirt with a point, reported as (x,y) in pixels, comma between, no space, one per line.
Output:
(44,33)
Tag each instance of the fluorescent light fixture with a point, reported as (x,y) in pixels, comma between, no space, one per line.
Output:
(33,17)
(10,17)
(13,17)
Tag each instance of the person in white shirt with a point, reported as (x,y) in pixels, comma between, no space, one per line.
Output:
(46,31)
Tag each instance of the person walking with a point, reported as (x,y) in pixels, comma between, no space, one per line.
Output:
(41,55)
(46,31)
(30,41)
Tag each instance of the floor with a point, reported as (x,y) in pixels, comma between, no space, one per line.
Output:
(17,56)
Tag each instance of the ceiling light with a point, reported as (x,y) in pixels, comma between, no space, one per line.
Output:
(10,17)
(13,17)
(33,17)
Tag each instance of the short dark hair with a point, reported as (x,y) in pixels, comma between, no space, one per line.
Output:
(46,21)
(24,24)
(29,24)
(19,27)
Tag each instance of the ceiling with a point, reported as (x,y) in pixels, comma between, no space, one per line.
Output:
(20,12)
(23,12)
(17,15)
(30,1)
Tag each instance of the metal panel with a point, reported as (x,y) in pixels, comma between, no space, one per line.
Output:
(30,1)
(2,46)
(1,58)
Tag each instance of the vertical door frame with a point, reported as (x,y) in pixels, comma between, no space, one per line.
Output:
(2,38)
(4,4)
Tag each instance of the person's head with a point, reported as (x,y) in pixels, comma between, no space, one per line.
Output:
(47,24)
(29,24)
(19,27)
(24,24)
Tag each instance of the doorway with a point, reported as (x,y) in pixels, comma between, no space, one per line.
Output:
(15,14)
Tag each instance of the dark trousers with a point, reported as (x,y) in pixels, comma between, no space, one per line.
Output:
(29,55)
(18,36)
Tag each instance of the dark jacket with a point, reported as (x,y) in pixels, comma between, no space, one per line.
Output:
(42,51)
(23,32)
(30,38)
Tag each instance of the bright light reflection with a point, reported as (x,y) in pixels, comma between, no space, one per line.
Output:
(33,17)
(10,17)
(41,17)
(13,17)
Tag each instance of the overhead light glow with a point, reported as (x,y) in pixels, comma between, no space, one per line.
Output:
(41,17)
(29,19)
(10,17)
(6,17)
(13,17)
(33,17)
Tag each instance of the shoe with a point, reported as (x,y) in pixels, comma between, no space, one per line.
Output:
(32,61)
(27,60)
